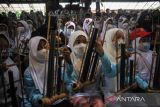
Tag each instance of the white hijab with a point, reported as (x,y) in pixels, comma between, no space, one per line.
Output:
(108,46)
(6,34)
(86,24)
(27,33)
(37,67)
(105,27)
(121,21)
(23,36)
(67,25)
(30,25)
(76,61)
(110,51)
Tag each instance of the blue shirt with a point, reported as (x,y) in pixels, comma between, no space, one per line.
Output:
(105,67)
(33,94)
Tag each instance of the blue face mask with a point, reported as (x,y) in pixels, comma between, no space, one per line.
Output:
(146,46)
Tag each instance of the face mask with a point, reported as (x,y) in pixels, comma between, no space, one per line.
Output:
(69,32)
(109,26)
(79,50)
(20,29)
(125,25)
(41,55)
(145,47)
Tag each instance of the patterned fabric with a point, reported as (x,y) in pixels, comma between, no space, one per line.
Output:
(33,94)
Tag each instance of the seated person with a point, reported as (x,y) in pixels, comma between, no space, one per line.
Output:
(78,43)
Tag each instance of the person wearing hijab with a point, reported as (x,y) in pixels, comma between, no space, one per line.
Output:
(98,23)
(123,23)
(23,35)
(4,85)
(69,28)
(113,38)
(4,31)
(108,24)
(35,74)
(141,45)
(30,24)
(143,56)
(87,25)
(78,42)
(132,22)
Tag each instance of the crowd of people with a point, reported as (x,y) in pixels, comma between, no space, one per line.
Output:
(24,44)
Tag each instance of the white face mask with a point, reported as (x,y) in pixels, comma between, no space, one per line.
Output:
(145,47)
(79,50)
(20,29)
(109,26)
(69,32)
(41,55)
(125,25)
